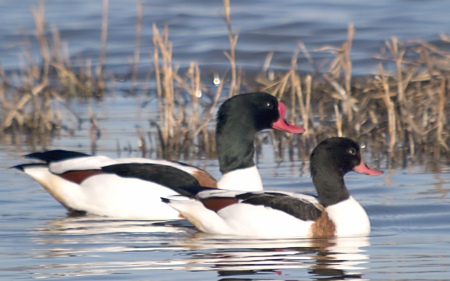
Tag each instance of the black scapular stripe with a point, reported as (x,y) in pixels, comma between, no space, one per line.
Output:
(296,207)
(55,155)
(164,175)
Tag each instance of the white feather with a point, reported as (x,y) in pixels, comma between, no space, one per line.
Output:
(111,195)
(108,195)
(247,179)
(57,186)
(350,218)
(242,219)
(79,163)
(260,221)
(96,162)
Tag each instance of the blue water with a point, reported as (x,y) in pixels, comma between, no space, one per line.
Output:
(199,34)
(409,210)
(409,206)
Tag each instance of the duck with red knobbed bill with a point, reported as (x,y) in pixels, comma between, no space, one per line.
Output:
(130,188)
(275,214)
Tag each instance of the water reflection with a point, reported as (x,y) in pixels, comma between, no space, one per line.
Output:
(70,247)
(337,257)
(92,234)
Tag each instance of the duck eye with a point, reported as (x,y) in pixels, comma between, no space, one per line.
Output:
(269,105)
(352,151)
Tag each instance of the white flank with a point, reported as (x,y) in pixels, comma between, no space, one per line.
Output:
(247,179)
(242,219)
(127,198)
(108,195)
(259,221)
(350,218)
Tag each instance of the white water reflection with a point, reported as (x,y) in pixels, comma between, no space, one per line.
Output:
(409,239)
(88,246)
(337,257)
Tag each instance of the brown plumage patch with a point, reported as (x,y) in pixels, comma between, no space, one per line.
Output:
(205,179)
(217,203)
(323,227)
(79,176)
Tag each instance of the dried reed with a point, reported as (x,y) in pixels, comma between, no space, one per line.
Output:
(137,50)
(231,55)
(404,113)
(180,127)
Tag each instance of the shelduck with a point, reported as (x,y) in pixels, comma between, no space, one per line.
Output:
(130,188)
(334,212)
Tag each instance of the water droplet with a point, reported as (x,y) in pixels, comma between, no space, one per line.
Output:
(216,80)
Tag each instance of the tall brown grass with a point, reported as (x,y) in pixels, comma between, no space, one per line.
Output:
(404,113)
(398,114)
(27,96)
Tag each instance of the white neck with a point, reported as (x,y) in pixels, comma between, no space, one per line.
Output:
(350,218)
(247,179)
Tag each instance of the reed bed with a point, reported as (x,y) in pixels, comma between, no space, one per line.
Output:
(28,96)
(400,115)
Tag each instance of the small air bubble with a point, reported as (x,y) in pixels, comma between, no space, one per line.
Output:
(216,80)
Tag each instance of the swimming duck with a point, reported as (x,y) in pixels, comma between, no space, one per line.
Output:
(130,188)
(334,212)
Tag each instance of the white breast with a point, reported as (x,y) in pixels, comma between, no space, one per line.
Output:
(350,218)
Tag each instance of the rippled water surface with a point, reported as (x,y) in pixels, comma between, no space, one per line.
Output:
(409,210)
(409,207)
(199,34)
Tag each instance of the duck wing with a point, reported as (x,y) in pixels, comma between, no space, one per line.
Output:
(294,206)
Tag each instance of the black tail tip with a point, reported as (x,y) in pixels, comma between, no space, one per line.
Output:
(22,167)
(18,167)
(165,200)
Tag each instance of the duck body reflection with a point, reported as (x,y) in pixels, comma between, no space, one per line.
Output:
(151,249)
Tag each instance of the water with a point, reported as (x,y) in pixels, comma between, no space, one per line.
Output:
(199,34)
(409,210)
(409,207)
